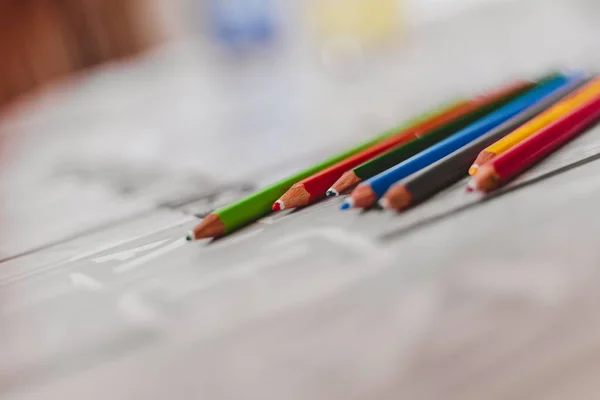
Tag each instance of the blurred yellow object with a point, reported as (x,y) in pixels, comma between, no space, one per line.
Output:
(367,21)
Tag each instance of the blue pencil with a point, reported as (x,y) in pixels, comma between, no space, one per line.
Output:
(372,189)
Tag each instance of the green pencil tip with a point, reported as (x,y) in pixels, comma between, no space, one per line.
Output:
(189,237)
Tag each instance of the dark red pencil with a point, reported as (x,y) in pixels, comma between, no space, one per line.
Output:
(536,147)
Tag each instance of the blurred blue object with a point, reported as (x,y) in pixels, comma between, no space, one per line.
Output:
(242,23)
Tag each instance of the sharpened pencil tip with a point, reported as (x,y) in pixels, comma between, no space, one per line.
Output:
(347,204)
(332,193)
(278,205)
(190,237)
(471,186)
(473,169)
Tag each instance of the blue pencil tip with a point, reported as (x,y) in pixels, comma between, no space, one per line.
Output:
(344,206)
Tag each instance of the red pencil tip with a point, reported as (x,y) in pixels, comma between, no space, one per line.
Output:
(276,206)
(469,189)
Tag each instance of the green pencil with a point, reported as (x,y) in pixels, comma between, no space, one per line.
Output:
(406,150)
(258,204)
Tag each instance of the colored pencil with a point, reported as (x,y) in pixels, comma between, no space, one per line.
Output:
(452,168)
(369,191)
(314,187)
(406,150)
(536,147)
(547,117)
(258,204)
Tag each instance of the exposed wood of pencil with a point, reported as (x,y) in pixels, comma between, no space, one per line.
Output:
(297,196)
(363,196)
(397,198)
(210,227)
(345,182)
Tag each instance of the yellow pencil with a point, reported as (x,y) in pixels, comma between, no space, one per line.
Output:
(572,101)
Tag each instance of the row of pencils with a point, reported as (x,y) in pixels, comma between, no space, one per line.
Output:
(492,137)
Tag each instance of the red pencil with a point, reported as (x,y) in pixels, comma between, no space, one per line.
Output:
(536,147)
(315,186)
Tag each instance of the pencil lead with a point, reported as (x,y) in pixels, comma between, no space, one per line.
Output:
(471,186)
(483,158)
(190,237)
(278,205)
(332,193)
(347,204)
